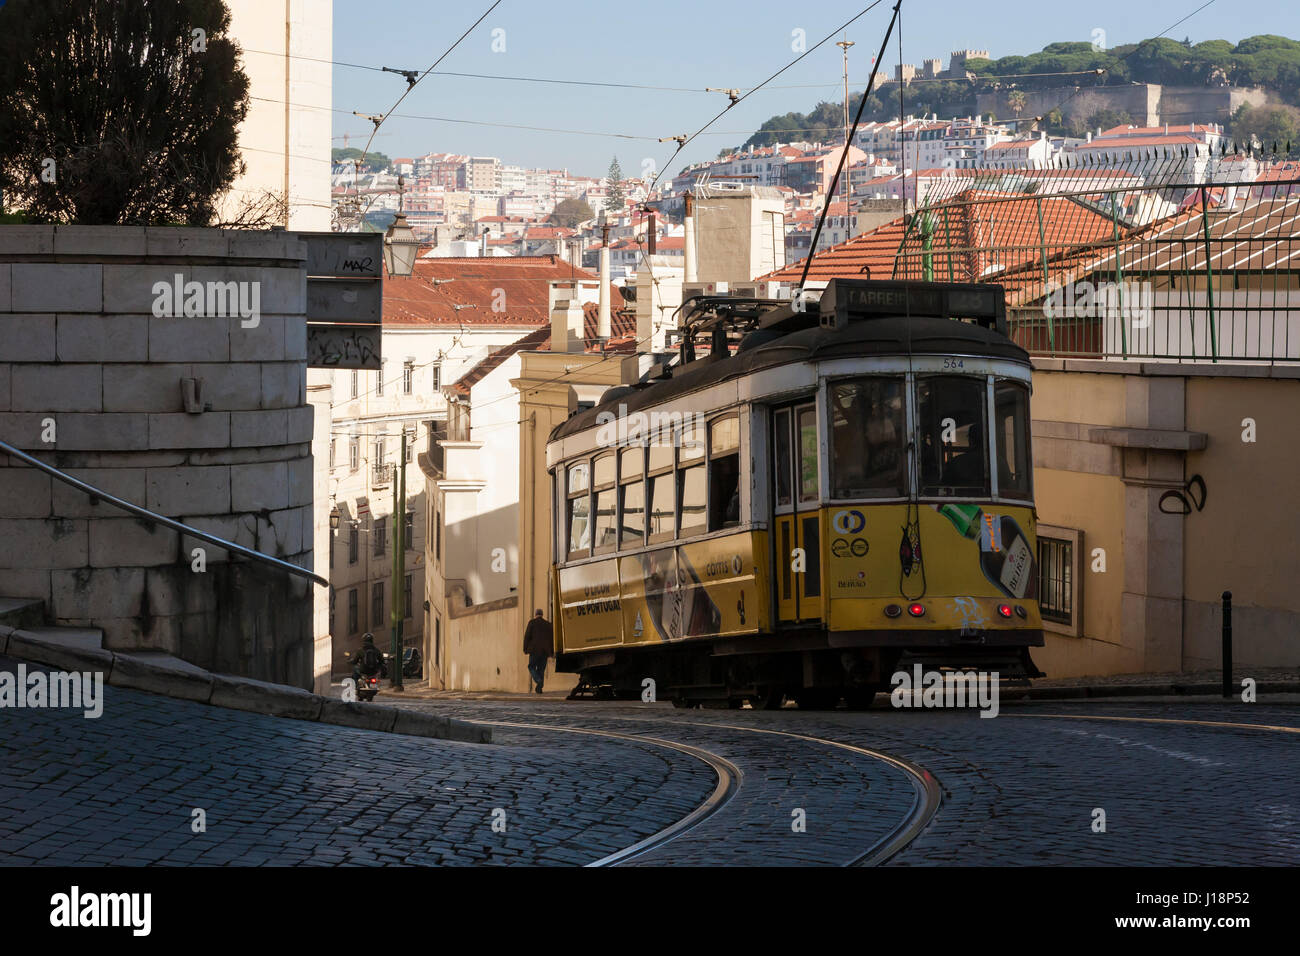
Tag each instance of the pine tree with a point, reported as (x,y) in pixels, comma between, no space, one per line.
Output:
(614,179)
(119,113)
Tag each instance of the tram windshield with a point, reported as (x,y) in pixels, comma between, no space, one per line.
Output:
(867,445)
(952,439)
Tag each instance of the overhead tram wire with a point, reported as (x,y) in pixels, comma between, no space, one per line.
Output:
(412,85)
(844,154)
(734,101)
(686,139)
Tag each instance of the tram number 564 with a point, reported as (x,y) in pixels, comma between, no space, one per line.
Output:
(954,363)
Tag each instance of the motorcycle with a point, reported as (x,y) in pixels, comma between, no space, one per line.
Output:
(367,686)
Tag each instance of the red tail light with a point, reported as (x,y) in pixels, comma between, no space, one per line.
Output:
(1004,610)
(916,610)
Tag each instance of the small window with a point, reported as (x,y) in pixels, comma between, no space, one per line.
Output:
(354,617)
(661,507)
(781,438)
(408,532)
(435,377)
(376,605)
(631,465)
(379,380)
(606,517)
(406,598)
(333,442)
(691,443)
(578,517)
(408,377)
(724,473)
(691,500)
(867,447)
(380,532)
(953,444)
(807,454)
(355,386)
(354,454)
(1060,553)
(354,544)
(1011,410)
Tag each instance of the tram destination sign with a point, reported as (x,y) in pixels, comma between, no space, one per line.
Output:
(851,300)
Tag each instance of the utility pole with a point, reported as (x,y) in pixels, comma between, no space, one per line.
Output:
(848,178)
(399,561)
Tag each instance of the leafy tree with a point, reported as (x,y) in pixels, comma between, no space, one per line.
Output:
(569,212)
(617,194)
(375,162)
(1268,124)
(1016,100)
(119,113)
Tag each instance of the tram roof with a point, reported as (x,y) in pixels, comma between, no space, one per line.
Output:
(878,336)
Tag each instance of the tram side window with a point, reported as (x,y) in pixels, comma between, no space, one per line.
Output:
(1011,407)
(867,427)
(807,454)
(578,512)
(662,492)
(605,519)
(952,441)
(632,494)
(724,473)
(781,438)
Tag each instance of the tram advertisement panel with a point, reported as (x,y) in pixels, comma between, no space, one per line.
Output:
(964,557)
(651,598)
(590,606)
(720,593)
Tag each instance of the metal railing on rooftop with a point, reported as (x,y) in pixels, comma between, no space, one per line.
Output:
(101,495)
(1103,263)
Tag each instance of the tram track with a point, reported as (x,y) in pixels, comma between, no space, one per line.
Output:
(927,793)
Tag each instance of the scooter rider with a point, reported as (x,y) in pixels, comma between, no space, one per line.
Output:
(368,660)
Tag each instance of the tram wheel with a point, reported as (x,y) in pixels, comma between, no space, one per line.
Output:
(768,698)
(818,699)
(860,698)
(683,703)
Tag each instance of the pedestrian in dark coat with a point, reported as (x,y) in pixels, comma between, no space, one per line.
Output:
(539,644)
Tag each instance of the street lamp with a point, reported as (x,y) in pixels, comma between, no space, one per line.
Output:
(400,244)
(334,520)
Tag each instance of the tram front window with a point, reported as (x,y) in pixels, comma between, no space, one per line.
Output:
(867,427)
(951,435)
(1011,406)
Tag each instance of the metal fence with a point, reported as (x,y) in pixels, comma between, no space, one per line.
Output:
(1124,263)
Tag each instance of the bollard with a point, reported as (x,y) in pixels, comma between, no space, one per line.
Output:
(1227,644)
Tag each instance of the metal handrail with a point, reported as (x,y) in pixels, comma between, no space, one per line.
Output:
(157,518)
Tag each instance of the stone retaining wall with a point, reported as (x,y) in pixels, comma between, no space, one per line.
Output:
(91,381)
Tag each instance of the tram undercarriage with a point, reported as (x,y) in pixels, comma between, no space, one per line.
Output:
(813,667)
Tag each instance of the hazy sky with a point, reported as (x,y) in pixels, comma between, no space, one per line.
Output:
(689,44)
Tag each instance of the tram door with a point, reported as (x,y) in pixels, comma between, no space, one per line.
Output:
(796,522)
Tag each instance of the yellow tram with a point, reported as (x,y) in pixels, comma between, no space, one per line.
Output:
(835,489)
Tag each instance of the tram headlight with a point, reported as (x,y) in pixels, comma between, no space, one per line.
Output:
(892,610)
(1021,612)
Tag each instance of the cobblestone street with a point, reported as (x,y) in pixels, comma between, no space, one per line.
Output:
(1016,790)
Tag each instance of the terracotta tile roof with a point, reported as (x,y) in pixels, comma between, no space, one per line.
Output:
(622,339)
(976,234)
(1125,142)
(520,283)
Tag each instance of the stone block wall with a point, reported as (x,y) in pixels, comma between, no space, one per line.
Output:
(92,382)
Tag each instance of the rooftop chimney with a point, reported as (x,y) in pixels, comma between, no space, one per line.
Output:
(602,320)
(566,317)
(688,240)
